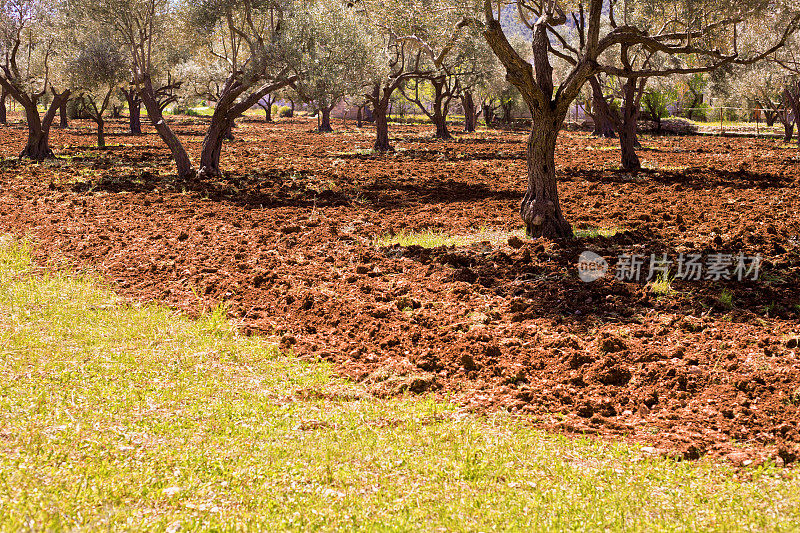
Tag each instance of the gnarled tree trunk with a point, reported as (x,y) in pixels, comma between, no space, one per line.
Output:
(229,131)
(380,99)
(64,122)
(380,114)
(3,112)
(181,158)
(212,147)
(470,111)
(325,125)
(627,145)
(440,120)
(230,105)
(101,134)
(629,126)
(37,147)
(541,209)
(134,110)
(135,118)
(602,113)
(360,117)
(788,130)
(268,112)
(440,108)
(488,115)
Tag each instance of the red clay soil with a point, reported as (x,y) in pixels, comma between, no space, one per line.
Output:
(288,240)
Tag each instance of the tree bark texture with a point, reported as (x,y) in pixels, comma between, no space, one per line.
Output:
(101,134)
(488,115)
(380,113)
(629,124)
(179,154)
(470,111)
(3,109)
(37,146)
(325,125)
(541,209)
(602,112)
(64,119)
(134,111)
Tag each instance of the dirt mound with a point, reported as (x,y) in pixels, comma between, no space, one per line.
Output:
(288,241)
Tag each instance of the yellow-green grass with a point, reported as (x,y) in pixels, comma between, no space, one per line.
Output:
(426,238)
(662,286)
(726,299)
(431,238)
(125,417)
(593,233)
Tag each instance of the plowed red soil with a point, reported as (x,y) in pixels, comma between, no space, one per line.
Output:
(289,240)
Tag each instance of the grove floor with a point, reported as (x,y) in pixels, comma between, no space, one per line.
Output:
(300,243)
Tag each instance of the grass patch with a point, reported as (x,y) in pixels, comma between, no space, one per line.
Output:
(133,417)
(200,111)
(593,233)
(662,286)
(726,299)
(426,239)
(601,148)
(435,239)
(356,152)
(673,168)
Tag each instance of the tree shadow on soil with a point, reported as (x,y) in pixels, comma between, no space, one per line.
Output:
(692,177)
(397,194)
(545,284)
(458,141)
(292,189)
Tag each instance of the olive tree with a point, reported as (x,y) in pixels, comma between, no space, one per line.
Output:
(768,85)
(459,62)
(580,33)
(247,37)
(392,62)
(492,88)
(473,65)
(406,42)
(690,90)
(31,44)
(603,109)
(439,90)
(438,74)
(334,55)
(252,41)
(98,70)
(788,59)
(144,28)
(624,118)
